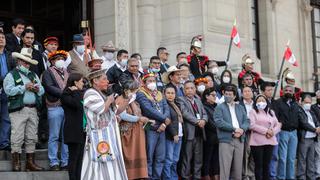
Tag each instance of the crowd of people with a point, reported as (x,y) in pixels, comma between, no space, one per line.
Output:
(108,117)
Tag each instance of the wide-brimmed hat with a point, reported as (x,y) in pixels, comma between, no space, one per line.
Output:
(95,58)
(165,76)
(109,47)
(77,38)
(96,73)
(55,54)
(25,55)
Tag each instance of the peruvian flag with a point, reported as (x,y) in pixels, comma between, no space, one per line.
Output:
(289,56)
(235,35)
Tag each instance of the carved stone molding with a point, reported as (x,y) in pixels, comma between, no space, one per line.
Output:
(306,7)
(122,24)
(273,3)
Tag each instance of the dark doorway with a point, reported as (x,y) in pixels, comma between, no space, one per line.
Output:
(59,18)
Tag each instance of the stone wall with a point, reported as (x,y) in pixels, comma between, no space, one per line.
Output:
(144,25)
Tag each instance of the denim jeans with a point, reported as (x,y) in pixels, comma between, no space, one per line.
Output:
(288,142)
(156,152)
(171,161)
(56,123)
(5,125)
(274,161)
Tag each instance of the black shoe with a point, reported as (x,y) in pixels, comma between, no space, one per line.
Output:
(55,168)
(64,168)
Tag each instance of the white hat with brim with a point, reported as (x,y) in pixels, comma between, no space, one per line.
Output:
(165,76)
(25,55)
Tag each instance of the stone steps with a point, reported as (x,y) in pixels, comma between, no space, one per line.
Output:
(41,158)
(43,175)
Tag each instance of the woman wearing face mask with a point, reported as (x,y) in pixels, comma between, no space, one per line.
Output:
(133,135)
(210,166)
(54,81)
(264,126)
(226,79)
(201,85)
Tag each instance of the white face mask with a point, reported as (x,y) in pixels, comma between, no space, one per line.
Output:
(152,86)
(215,70)
(201,88)
(59,64)
(261,105)
(124,62)
(307,106)
(80,49)
(226,79)
(109,56)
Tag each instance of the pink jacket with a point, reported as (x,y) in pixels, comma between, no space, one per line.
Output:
(259,125)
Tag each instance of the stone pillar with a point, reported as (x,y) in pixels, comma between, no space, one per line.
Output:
(122,24)
(146,10)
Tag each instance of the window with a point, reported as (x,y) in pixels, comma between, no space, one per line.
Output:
(255,27)
(315,19)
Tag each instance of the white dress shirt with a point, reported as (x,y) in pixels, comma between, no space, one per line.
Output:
(234,118)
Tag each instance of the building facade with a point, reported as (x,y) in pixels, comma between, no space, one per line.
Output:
(265,26)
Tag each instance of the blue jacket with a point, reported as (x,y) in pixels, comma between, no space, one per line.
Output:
(223,121)
(149,110)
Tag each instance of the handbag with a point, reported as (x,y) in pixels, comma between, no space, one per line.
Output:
(101,150)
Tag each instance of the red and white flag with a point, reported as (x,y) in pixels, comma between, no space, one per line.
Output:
(235,35)
(289,56)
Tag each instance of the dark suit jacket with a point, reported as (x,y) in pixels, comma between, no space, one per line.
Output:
(164,67)
(73,112)
(189,118)
(173,128)
(304,126)
(10,64)
(316,111)
(12,43)
(223,121)
(114,74)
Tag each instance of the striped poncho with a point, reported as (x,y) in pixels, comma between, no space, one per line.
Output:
(98,118)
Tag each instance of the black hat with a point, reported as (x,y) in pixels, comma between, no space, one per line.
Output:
(303,95)
(266,84)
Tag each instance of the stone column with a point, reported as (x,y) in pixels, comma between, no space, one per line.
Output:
(122,24)
(146,10)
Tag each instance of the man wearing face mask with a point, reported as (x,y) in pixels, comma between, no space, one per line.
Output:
(154,67)
(120,66)
(316,109)
(213,67)
(154,106)
(288,113)
(232,122)
(78,56)
(54,81)
(24,90)
(108,55)
(308,132)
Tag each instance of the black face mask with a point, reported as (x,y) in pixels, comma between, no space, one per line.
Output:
(318,101)
(288,95)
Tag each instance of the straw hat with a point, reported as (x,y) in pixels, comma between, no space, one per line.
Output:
(25,55)
(165,76)
(109,47)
